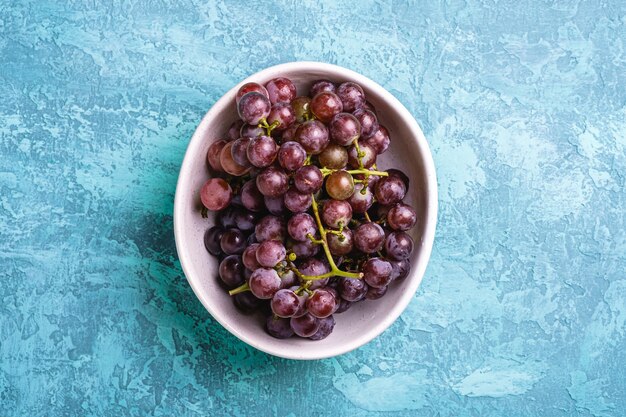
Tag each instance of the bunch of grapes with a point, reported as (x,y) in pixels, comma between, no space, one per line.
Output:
(307,225)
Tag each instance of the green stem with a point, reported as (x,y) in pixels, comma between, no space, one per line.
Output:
(328,171)
(242,288)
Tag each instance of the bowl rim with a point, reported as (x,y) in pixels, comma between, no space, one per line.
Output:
(416,274)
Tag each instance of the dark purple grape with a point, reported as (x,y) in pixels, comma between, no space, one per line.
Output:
(233,242)
(275,205)
(308,179)
(285,303)
(313,136)
(228,163)
(336,213)
(270,228)
(239,151)
(244,219)
(290,133)
(234,129)
(251,131)
(341,245)
(270,253)
(296,201)
(379,212)
(333,157)
(362,198)
(288,279)
(397,173)
(400,269)
(340,185)
(390,190)
(226,217)
(305,326)
(351,289)
(278,327)
(401,217)
(262,151)
(375,293)
(344,129)
(398,246)
(251,239)
(300,225)
(314,267)
(368,121)
(213,155)
(264,283)
(369,237)
(368,157)
(305,249)
(379,140)
(231,271)
(291,156)
(327,325)
(321,304)
(377,272)
(369,106)
(216,194)
(246,302)
(351,95)
(343,306)
(249,257)
(302,108)
(251,197)
(282,113)
(250,87)
(325,105)
(253,107)
(281,90)
(272,182)
(321,86)
(212,240)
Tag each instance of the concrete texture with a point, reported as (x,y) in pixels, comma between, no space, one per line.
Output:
(522,311)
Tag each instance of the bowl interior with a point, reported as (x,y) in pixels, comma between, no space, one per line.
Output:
(365,320)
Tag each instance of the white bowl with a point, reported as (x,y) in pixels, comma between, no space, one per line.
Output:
(364,321)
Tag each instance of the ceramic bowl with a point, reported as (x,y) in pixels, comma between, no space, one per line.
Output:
(364,321)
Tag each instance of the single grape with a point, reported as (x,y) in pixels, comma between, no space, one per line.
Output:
(362,199)
(308,179)
(270,228)
(272,182)
(340,185)
(351,289)
(305,249)
(321,86)
(306,325)
(270,253)
(264,282)
(234,129)
(368,121)
(279,328)
(231,271)
(351,95)
(251,131)
(213,155)
(390,190)
(228,163)
(321,304)
(253,107)
(340,245)
(377,272)
(251,197)
(302,108)
(291,156)
(290,133)
(401,217)
(246,302)
(216,194)
(397,173)
(288,279)
(233,242)
(239,150)
(398,246)
(325,105)
(327,325)
(314,267)
(369,237)
(344,129)
(400,269)
(275,205)
(313,136)
(333,157)
(244,219)
(285,303)
(379,140)
(226,217)
(281,90)
(249,257)
(262,151)
(282,113)
(376,293)
(343,306)
(251,239)
(296,201)
(368,156)
(336,213)
(212,240)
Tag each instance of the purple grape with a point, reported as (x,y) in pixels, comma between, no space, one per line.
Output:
(234,129)
(246,302)
(285,303)
(290,133)
(288,279)
(305,326)
(351,95)
(313,136)
(343,306)
(336,213)
(231,271)
(368,121)
(270,253)
(291,156)
(264,283)
(212,240)
(282,113)
(397,173)
(244,220)
(362,199)
(401,217)
(305,249)
(239,150)
(251,197)
(327,325)
(228,163)
(279,328)
(226,217)
(351,289)
(262,151)
(390,190)
(340,185)
(275,205)
(251,131)
(344,129)
(281,90)
(375,293)
(339,246)
(321,86)
(270,228)
(321,304)
(398,246)
(250,87)
(314,267)
(253,107)
(300,225)
(325,105)
(296,201)
(368,159)
(379,140)
(400,269)
(369,237)
(308,179)
(249,257)
(233,242)
(216,194)
(272,182)
(377,272)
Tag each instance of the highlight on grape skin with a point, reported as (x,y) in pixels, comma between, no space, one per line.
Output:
(307,221)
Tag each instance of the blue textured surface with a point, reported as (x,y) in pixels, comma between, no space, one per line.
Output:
(523,307)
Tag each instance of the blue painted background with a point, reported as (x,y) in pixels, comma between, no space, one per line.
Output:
(522,311)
